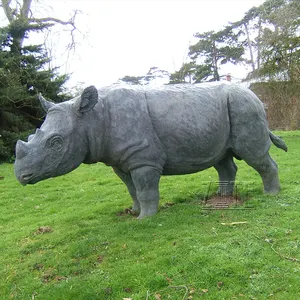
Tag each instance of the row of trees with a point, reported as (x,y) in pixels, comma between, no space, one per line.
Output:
(24,71)
(267,39)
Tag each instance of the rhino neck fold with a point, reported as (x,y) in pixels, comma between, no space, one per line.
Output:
(95,127)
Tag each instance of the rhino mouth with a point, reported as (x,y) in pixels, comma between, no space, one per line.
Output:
(26,178)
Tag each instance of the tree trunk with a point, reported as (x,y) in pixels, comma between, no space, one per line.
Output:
(18,23)
(215,63)
(259,43)
(22,21)
(250,47)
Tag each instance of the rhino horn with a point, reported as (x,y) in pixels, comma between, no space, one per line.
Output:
(46,105)
(21,149)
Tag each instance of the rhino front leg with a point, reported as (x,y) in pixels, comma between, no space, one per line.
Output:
(146,182)
(126,178)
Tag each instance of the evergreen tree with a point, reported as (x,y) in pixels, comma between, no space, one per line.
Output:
(22,75)
(212,50)
(280,40)
(151,76)
(24,72)
(185,74)
(270,32)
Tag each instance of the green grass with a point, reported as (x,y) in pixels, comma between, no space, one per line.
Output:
(91,251)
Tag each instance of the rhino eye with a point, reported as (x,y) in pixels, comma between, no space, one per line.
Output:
(55,143)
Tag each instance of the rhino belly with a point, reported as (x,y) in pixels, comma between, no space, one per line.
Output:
(193,159)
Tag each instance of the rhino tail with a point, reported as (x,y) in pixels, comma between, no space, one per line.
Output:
(277,141)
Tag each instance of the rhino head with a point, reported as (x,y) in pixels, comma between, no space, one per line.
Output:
(61,144)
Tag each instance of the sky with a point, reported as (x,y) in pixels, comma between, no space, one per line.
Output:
(127,37)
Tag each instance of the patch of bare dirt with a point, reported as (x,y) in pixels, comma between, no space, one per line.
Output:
(42,230)
(126,212)
(222,202)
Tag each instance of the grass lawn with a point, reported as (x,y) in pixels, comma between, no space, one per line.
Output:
(67,238)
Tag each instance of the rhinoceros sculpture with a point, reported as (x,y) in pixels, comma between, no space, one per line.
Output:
(145,132)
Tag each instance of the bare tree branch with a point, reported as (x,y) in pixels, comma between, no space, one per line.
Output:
(50,19)
(22,12)
(7,10)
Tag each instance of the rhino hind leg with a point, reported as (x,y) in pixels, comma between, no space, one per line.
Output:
(146,182)
(268,170)
(126,178)
(226,169)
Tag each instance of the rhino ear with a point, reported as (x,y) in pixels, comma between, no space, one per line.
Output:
(46,105)
(88,99)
